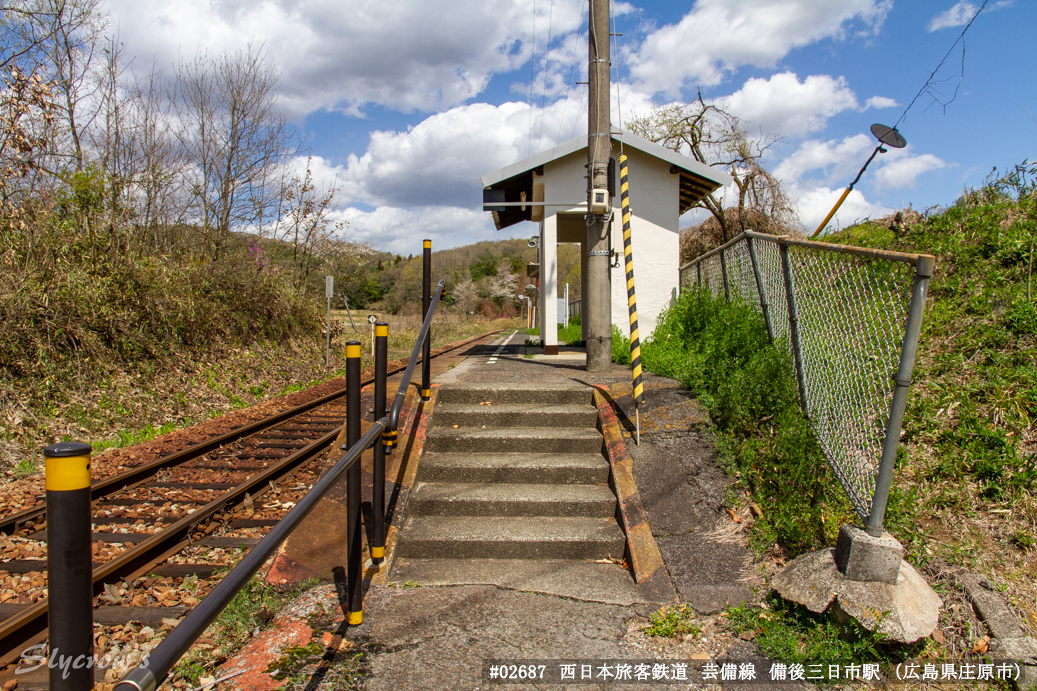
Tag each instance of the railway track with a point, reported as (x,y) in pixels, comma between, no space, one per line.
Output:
(187,515)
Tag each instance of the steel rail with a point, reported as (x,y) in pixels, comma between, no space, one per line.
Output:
(109,485)
(19,629)
(31,622)
(180,639)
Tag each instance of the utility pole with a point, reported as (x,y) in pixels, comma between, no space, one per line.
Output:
(597,303)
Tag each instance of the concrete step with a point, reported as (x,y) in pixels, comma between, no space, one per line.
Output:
(529,394)
(515,440)
(573,578)
(515,415)
(478,537)
(523,468)
(465,499)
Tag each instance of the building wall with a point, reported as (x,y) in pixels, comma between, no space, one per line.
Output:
(654,231)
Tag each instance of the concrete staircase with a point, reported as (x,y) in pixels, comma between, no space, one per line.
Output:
(510,472)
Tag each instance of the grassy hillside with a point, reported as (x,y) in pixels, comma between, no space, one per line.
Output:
(116,344)
(965,487)
(970,468)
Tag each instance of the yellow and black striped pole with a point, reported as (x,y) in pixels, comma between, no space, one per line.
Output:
(628,257)
(70,586)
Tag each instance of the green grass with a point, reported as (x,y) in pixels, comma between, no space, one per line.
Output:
(130,437)
(720,352)
(232,629)
(792,633)
(968,443)
(673,622)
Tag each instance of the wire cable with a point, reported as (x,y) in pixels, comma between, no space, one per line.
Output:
(532,69)
(619,100)
(932,76)
(547,62)
(572,66)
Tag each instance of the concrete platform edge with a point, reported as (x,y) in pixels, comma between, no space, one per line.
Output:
(646,560)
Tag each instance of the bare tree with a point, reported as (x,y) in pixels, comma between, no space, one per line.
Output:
(714,136)
(235,138)
(76,34)
(304,222)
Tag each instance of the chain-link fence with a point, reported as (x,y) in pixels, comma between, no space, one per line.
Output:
(850,318)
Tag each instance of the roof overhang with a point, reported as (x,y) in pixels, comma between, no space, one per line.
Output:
(696,179)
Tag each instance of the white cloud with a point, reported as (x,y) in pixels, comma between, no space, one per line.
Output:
(840,161)
(814,204)
(401,230)
(880,102)
(405,54)
(902,168)
(960,13)
(438,161)
(957,15)
(718,36)
(783,105)
(834,159)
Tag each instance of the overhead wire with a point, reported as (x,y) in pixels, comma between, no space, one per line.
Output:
(532,70)
(547,60)
(572,65)
(929,82)
(619,100)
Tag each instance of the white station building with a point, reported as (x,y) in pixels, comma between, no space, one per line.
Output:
(663,184)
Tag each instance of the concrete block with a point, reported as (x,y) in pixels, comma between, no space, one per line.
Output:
(862,557)
(905,611)
(1022,650)
(990,608)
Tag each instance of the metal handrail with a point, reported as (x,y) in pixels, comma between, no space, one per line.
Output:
(149,674)
(923,261)
(147,677)
(401,393)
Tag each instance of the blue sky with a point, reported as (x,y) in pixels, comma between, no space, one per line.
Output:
(404,104)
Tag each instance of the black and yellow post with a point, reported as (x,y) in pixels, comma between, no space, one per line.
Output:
(354,536)
(381,360)
(426,302)
(628,257)
(70,588)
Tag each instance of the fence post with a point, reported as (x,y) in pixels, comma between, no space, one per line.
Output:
(723,271)
(70,587)
(760,289)
(698,269)
(381,361)
(908,349)
(426,301)
(797,350)
(354,565)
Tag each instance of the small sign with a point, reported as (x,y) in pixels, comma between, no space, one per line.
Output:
(372,319)
(329,287)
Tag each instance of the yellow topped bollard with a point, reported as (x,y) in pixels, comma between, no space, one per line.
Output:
(70,587)
(381,362)
(354,536)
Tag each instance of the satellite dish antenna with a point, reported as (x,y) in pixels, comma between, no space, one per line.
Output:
(886,135)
